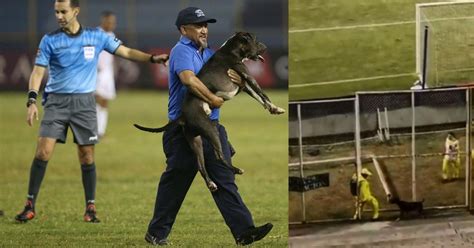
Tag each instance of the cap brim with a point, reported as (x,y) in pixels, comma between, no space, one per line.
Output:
(204,19)
(366,172)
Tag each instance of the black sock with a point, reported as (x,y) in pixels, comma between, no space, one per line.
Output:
(38,169)
(89,181)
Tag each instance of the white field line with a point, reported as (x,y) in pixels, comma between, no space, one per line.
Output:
(351,80)
(350,27)
(459,70)
(372,78)
(363,26)
(373,25)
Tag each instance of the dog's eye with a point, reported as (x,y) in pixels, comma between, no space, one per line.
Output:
(246,38)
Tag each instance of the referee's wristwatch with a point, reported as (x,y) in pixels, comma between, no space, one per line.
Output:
(32,95)
(30,101)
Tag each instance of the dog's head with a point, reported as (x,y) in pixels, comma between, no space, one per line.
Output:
(245,46)
(393,199)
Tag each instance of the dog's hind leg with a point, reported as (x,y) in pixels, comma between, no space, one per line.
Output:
(209,131)
(196,145)
(420,212)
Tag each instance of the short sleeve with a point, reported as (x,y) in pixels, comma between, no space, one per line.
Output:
(111,43)
(44,52)
(182,59)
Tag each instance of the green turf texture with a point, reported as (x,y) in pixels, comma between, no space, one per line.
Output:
(129,165)
(321,56)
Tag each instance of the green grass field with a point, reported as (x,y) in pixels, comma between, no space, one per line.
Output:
(344,54)
(129,166)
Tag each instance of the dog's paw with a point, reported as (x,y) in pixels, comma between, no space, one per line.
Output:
(212,186)
(206,108)
(277,110)
(238,171)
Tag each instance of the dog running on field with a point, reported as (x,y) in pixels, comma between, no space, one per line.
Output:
(194,118)
(407,207)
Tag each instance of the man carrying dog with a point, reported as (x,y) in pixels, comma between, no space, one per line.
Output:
(186,59)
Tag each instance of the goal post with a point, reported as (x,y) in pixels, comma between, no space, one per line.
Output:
(450,51)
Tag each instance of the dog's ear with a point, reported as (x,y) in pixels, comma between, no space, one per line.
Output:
(240,33)
(244,36)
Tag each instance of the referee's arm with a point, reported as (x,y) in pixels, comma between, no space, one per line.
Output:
(198,88)
(35,82)
(134,54)
(36,77)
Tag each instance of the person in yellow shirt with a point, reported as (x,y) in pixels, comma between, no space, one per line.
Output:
(365,195)
(354,193)
(451,160)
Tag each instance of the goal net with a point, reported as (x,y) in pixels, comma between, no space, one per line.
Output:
(450,42)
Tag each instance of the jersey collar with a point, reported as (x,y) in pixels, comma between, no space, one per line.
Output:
(73,35)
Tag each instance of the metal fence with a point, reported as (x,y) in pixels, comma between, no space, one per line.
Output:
(403,132)
(321,142)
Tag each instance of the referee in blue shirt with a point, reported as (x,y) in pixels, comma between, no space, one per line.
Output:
(186,60)
(70,54)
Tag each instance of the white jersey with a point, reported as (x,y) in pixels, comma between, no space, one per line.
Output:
(451,149)
(105,74)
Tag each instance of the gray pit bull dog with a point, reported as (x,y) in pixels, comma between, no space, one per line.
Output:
(195,120)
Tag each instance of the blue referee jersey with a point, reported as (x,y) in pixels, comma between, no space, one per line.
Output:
(185,55)
(72,59)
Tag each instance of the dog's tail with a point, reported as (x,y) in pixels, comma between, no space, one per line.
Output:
(152,130)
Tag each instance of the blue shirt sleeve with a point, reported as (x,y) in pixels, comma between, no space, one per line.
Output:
(110,43)
(44,52)
(182,60)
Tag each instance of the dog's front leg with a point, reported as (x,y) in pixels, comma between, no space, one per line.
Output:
(254,95)
(252,86)
(255,86)
(267,105)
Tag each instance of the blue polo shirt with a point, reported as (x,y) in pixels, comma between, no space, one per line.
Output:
(72,59)
(185,55)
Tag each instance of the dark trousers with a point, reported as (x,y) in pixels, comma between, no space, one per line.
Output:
(180,172)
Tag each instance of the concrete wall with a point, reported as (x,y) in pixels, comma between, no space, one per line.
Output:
(400,118)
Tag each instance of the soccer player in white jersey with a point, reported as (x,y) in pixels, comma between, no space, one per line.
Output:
(105,88)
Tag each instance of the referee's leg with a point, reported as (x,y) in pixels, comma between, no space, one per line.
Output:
(89,177)
(174,183)
(236,215)
(44,152)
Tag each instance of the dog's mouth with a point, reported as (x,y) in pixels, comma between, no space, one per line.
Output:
(256,57)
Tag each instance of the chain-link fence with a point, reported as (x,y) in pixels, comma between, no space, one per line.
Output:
(400,136)
(321,159)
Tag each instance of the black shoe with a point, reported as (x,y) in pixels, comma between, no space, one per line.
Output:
(91,215)
(27,214)
(154,240)
(254,234)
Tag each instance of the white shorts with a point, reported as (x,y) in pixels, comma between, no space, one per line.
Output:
(105,87)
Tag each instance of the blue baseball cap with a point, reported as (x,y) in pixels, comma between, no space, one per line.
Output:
(191,15)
